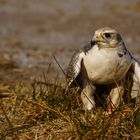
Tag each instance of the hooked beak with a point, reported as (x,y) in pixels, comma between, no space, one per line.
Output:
(93,42)
(96,39)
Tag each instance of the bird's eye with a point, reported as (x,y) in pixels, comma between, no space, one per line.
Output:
(107,35)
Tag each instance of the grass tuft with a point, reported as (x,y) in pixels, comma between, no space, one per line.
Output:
(42,110)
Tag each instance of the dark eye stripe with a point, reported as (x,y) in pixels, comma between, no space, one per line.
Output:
(107,35)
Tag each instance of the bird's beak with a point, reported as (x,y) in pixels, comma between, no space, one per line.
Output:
(98,38)
(95,39)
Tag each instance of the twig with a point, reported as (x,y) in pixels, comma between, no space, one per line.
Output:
(59,65)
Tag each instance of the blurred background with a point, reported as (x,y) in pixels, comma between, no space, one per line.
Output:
(32,31)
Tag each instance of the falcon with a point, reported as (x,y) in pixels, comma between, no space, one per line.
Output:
(103,61)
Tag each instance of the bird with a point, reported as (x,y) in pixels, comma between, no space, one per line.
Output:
(105,60)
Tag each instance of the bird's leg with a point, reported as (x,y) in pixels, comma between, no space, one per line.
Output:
(89,101)
(115,98)
(87,96)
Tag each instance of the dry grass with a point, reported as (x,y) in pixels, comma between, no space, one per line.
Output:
(40,110)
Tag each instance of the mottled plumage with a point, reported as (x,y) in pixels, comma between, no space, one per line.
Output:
(74,67)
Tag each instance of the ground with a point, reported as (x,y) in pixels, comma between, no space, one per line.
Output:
(40,109)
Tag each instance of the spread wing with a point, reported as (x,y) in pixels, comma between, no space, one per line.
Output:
(74,67)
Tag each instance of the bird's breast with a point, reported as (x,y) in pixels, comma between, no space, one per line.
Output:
(103,66)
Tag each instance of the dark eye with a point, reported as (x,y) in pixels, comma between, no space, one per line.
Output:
(107,35)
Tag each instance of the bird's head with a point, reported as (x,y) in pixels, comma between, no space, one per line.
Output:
(106,38)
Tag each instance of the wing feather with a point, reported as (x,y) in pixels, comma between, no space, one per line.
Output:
(74,67)
(135,89)
(136,64)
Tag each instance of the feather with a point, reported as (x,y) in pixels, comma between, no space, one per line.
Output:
(75,64)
